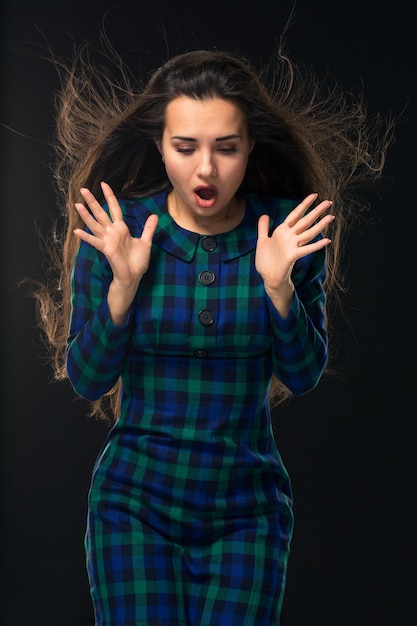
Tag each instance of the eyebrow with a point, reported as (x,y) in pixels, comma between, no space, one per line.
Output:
(225,138)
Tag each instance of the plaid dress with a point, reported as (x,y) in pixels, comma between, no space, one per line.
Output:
(190,516)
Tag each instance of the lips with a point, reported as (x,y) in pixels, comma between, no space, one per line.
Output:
(206,196)
(207,192)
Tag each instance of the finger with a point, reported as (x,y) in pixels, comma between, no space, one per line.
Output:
(312,216)
(149,228)
(296,214)
(112,202)
(313,247)
(314,230)
(88,219)
(263,227)
(94,206)
(91,239)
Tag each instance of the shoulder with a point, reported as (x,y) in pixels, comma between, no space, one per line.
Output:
(141,208)
(276,207)
(137,210)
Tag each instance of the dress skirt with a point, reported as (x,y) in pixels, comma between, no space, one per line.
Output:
(179,550)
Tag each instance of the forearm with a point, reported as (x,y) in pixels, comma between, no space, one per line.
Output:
(119,300)
(96,354)
(300,347)
(281,298)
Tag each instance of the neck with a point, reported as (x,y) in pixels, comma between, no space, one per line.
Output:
(225,220)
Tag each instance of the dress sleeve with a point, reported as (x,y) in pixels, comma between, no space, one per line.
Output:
(300,350)
(96,348)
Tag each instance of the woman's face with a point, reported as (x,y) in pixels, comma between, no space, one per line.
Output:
(205,146)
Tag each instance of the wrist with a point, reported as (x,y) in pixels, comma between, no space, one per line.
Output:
(281,297)
(285,290)
(120,300)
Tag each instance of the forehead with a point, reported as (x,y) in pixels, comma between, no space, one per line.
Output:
(188,117)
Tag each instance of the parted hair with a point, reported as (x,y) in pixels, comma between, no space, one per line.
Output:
(310,136)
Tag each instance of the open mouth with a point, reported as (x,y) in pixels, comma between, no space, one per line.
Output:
(206,193)
(206,196)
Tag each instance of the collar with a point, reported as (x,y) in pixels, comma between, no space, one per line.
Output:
(183,243)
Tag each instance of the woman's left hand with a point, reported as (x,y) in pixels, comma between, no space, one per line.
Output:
(290,241)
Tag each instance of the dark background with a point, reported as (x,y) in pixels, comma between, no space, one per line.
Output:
(349,446)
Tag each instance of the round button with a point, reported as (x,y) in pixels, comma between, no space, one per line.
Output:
(209,243)
(206,277)
(206,318)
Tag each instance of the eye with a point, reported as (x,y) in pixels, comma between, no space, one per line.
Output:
(227,149)
(185,150)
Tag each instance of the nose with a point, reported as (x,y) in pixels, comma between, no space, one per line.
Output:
(206,166)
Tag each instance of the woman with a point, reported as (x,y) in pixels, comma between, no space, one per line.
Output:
(195,278)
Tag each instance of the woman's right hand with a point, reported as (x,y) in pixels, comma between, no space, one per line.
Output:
(128,256)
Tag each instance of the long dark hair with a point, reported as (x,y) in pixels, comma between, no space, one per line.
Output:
(310,136)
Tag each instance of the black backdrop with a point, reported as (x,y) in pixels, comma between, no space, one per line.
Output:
(349,446)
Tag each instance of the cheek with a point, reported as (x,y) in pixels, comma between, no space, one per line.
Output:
(176,171)
(237,170)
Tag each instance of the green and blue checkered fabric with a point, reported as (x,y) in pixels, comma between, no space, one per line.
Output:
(190,506)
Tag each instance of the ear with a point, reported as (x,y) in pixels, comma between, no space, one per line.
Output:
(158,144)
